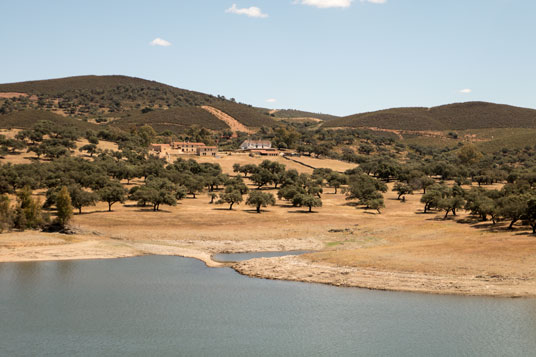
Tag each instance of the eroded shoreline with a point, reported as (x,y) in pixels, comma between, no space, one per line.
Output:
(296,268)
(290,268)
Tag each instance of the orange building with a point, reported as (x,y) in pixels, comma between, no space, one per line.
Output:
(186,147)
(160,150)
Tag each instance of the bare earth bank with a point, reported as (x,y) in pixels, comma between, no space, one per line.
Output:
(299,268)
(33,246)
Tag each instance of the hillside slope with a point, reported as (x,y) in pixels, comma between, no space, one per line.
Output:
(28,118)
(176,120)
(300,114)
(68,84)
(125,100)
(458,116)
(231,122)
(249,116)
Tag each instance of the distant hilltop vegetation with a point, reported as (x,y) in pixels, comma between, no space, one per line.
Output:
(122,102)
(125,102)
(458,116)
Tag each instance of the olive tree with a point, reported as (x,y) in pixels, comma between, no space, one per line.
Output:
(260,199)
(112,193)
(231,197)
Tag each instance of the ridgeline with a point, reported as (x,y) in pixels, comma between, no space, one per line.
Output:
(458,116)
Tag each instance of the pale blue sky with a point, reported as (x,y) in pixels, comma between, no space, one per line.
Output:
(352,57)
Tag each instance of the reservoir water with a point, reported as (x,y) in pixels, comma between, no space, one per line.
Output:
(237,257)
(169,306)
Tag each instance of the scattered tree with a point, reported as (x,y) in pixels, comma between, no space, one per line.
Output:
(402,189)
(231,197)
(260,199)
(64,207)
(307,200)
(112,193)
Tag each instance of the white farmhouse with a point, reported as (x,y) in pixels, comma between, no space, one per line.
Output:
(256,144)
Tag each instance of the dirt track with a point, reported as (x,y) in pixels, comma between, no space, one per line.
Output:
(234,124)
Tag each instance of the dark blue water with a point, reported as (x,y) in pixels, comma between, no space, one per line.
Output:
(169,306)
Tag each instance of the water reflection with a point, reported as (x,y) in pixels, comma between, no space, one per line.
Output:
(27,273)
(65,268)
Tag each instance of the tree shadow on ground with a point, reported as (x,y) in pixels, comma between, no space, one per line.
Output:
(96,211)
(287,205)
(489,226)
(420,211)
(255,211)
(441,217)
(150,209)
(469,220)
(14,153)
(303,211)
(83,213)
(486,225)
(527,233)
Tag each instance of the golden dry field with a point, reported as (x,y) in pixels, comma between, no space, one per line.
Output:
(400,249)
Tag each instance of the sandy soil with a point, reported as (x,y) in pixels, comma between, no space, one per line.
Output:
(26,157)
(8,95)
(102,145)
(336,165)
(401,249)
(226,161)
(10,133)
(234,124)
(295,268)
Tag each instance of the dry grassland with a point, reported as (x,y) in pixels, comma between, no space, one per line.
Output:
(400,249)
(25,157)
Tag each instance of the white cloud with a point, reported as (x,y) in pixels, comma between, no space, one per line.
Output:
(252,11)
(160,42)
(324,4)
(271,100)
(465,91)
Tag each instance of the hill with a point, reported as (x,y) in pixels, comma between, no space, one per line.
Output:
(300,114)
(79,83)
(245,114)
(116,98)
(28,118)
(458,116)
(174,119)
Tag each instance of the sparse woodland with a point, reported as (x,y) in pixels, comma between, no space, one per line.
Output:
(492,182)
(452,179)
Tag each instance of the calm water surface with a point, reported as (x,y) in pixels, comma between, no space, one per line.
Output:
(169,306)
(237,257)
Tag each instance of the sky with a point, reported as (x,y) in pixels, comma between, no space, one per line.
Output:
(332,56)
